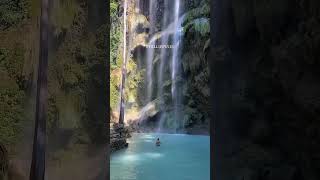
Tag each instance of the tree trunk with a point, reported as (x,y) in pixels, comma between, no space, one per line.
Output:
(121,116)
(37,171)
(124,69)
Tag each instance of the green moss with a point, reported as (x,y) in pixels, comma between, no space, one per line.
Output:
(116,54)
(13,61)
(200,12)
(114,92)
(197,20)
(11,99)
(63,14)
(12,12)
(200,25)
(76,76)
(113,8)
(115,41)
(134,77)
(11,113)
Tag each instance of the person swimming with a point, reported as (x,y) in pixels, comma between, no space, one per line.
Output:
(158,142)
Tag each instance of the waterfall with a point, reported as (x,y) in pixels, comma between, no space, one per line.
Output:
(164,40)
(174,28)
(150,51)
(175,70)
(137,5)
(168,65)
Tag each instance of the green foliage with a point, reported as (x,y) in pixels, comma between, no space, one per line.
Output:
(53,115)
(114,92)
(113,9)
(76,74)
(115,53)
(12,12)
(77,87)
(115,35)
(11,113)
(200,12)
(197,20)
(13,61)
(200,25)
(11,100)
(63,14)
(134,77)
(12,95)
(115,56)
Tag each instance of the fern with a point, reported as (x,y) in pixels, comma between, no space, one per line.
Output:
(200,25)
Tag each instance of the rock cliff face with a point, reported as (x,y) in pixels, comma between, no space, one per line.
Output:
(194,78)
(266,89)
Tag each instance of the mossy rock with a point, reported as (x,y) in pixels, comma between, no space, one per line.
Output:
(13,12)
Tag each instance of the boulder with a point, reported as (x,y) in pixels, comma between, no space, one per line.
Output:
(118,135)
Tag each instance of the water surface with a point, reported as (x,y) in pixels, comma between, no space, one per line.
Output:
(180,157)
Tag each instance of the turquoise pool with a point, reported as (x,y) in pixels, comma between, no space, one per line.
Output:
(180,157)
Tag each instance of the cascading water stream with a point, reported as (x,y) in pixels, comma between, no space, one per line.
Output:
(150,51)
(137,5)
(171,29)
(174,28)
(175,65)
(169,34)
(163,52)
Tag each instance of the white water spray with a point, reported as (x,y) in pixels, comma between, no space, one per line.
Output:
(169,59)
(175,65)
(150,51)
(163,53)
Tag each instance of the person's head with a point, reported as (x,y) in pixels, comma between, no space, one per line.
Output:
(158,139)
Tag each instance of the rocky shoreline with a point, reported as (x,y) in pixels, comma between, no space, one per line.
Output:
(141,128)
(118,137)
(119,133)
